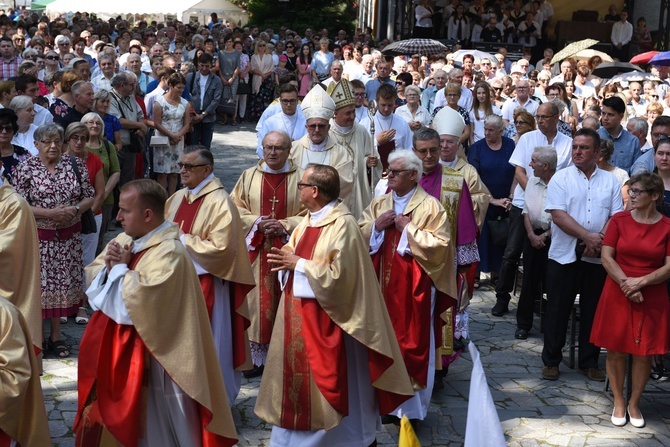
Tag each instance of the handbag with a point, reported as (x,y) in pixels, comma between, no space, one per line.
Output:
(88,225)
(243,88)
(137,141)
(159,141)
(499,229)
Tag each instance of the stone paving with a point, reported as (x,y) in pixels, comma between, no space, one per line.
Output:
(572,411)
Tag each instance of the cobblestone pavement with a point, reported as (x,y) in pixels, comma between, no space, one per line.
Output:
(572,411)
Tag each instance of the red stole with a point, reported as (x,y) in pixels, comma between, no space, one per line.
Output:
(185,218)
(5,440)
(273,192)
(112,384)
(406,289)
(313,349)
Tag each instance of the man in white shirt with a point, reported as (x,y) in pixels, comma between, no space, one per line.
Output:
(637,100)
(429,94)
(336,70)
(622,33)
(522,99)
(290,120)
(581,199)
(455,75)
(546,135)
(104,79)
(390,130)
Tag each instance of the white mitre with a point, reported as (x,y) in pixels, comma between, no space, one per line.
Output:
(448,122)
(318,104)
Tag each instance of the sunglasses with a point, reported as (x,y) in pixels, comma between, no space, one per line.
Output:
(52,58)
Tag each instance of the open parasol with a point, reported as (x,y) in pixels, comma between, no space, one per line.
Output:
(478,55)
(662,58)
(587,54)
(633,76)
(572,49)
(611,69)
(643,58)
(425,47)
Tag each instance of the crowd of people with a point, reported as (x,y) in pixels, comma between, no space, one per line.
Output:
(340,267)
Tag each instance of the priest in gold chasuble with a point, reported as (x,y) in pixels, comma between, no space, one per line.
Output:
(356,139)
(212,232)
(408,234)
(334,363)
(266,197)
(151,375)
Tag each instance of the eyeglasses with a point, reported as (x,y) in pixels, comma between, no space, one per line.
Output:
(636,192)
(80,139)
(424,152)
(19,39)
(359,95)
(189,167)
(399,83)
(289,102)
(498,89)
(51,143)
(274,148)
(316,126)
(653,96)
(519,123)
(303,185)
(660,136)
(52,58)
(397,171)
(543,117)
(412,95)
(7,128)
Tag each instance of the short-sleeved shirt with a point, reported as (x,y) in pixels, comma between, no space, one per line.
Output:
(626,148)
(589,201)
(536,196)
(511,104)
(112,124)
(110,164)
(131,111)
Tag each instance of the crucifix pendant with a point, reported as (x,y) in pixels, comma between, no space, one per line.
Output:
(273,201)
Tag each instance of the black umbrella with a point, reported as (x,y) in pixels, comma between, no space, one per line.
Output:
(611,69)
(425,47)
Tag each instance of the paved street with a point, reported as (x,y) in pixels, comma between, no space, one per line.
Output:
(569,412)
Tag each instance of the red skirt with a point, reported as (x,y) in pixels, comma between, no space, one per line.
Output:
(634,328)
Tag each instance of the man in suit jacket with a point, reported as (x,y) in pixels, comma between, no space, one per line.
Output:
(206,89)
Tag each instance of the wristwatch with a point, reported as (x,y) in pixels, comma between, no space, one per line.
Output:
(77,206)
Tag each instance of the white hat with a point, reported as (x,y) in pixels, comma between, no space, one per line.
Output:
(517,69)
(318,104)
(449,122)
(342,94)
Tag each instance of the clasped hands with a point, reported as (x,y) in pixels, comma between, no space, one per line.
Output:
(270,227)
(63,214)
(390,218)
(116,254)
(593,243)
(632,288)
(282,260)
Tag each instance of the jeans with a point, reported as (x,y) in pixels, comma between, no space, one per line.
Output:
(202,134)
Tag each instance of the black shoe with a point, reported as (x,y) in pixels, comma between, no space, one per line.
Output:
(415,424)
(390,419)
(438,384)
(499,309)
(521,334)
(374,444)
(459,344)
(256,371)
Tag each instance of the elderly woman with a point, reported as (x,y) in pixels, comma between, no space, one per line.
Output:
(57,198)
(7,93)
(229,59)
(452,93)
(12,155)
(76,137)
(172,118)
(416,115)
(112,126)
(262,84)
(24,108)
(490,157)
(97,144)
(633,314)
(524,122)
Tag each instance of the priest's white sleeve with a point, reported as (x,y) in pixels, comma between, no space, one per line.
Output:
(301,287)
(105,294)
(376,240)
(403,244)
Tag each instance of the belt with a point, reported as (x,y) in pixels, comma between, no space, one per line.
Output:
(61,233)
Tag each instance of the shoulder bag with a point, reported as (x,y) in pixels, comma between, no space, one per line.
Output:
(88,225)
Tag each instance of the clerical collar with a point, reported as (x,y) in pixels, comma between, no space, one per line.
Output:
(292,118)
(269,170)
(317,216)
(140,242)
(318,147)
(449,164)
(195,191)
(342,129)
(399,201)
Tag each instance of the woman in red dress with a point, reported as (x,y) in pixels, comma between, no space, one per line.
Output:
(633,315)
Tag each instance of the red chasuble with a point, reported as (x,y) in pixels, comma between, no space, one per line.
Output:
(406,289)
(313,351)
(5,440)
(112,385)
(185,218)
(273,204)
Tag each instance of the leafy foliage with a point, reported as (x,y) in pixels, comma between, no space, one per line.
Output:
(301,14)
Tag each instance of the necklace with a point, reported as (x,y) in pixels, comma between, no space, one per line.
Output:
(274,200)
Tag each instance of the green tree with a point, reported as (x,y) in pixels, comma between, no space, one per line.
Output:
(300,14)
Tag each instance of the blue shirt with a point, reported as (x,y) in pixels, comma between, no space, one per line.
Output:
(153,84)
(626,148)
(645,163)
(321,62)
(373,85)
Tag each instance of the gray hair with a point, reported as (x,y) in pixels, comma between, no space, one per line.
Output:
(94,116)
(412,88)
(49,130)
(286,137)
(495,121)
(123,77)
(106,57)
(410,160)
(546,154)
(60,38)
(454,71)
(197,36)
(559,104)
(20,102)
(336,62)
(425,134)
(367,57)
(202,151)
(79,85)
(595,123)
(640,125)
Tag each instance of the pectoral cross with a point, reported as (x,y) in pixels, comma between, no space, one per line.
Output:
(273,201)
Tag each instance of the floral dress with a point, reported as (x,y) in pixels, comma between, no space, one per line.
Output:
(61,265)
(166,158)
(59,108)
